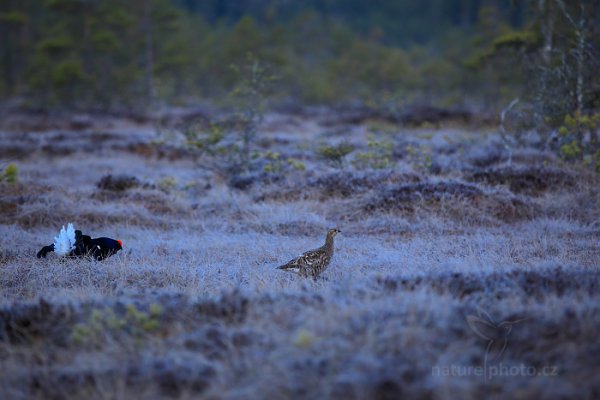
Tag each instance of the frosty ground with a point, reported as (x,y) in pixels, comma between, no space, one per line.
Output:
(194,307)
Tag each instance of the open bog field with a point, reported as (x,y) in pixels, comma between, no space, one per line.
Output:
(456,275)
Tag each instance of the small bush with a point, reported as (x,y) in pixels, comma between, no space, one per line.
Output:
(206,140)
(117,183)
(276,164)
(231,141)
(578,139)
(10,174)
(335,153)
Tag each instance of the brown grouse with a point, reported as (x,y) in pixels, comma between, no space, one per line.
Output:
(313,262)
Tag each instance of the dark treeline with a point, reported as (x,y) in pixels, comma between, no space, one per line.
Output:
(403,22)
(115,54)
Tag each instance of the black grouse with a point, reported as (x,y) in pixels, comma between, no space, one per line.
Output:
(97,248)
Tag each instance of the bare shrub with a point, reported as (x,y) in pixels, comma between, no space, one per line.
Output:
(340,184)
(118,183)
(526,179)
(456,200)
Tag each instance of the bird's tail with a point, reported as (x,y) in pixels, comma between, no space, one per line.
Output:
(65,241)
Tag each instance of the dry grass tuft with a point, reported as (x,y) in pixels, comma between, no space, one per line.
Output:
(117,183)
(455,200)
(526,179)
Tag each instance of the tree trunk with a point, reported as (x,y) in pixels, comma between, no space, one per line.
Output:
(580,55)
(546,11)
(149,51)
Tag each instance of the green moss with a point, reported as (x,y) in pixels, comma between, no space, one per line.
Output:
(419,157)
(379,155)
(132,311)
(104,325)
(303,339)
(296,165)
(155,310)
(272,156)
(150,325)
(80,334)
(277,164)
(335,153)
(11,173)
(114,322)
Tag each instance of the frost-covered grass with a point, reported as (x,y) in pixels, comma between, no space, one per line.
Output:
(194,307)
(204,263)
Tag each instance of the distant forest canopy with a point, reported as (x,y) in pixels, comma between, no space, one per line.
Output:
(116,54)
(396,22)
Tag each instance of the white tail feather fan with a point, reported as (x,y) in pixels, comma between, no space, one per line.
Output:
(65,241)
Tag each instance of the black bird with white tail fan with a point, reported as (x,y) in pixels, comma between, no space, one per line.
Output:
(72,243)
(313,262)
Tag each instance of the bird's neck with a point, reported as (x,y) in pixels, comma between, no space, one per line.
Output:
(329,243)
